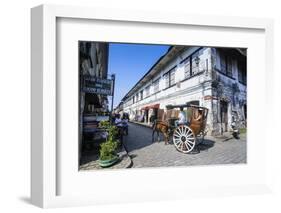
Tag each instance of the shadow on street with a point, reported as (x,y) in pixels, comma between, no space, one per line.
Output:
(140,137)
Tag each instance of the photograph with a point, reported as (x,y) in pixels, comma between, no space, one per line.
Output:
(155,105)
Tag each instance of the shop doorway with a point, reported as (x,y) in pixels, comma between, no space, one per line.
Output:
(224,116)
(146,116)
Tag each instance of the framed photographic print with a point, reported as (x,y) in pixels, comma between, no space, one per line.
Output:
(146,105)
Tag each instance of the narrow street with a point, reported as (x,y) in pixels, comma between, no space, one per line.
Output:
(144,153)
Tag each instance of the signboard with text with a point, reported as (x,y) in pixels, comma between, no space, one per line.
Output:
(97,85)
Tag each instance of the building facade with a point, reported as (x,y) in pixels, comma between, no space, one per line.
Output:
(211,77)
(93,63)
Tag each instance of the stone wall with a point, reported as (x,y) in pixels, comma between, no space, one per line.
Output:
(226,89)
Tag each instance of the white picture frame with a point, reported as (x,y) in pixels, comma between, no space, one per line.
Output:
(44,154)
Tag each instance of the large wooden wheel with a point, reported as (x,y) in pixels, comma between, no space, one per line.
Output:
(184,139)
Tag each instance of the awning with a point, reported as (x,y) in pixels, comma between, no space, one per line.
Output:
(144,108)
(154,106)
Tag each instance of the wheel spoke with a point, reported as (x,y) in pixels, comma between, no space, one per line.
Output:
(181,146)
(187,131)
(180,130)
(177,133)
(188,146)
(188,136)
(184,131)
(190,142)
(176,141)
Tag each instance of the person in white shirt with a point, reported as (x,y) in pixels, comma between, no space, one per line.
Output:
(125,120)
(118,121)
(181,118)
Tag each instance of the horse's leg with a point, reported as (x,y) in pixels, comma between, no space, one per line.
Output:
(158,138)
(153,135)
(166,135)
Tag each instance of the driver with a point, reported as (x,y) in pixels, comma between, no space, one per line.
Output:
(181,118)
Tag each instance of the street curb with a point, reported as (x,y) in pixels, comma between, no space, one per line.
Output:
(130,164)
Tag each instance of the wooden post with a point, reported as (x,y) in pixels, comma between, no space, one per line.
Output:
(112,97)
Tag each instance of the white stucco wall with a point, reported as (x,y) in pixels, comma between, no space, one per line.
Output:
(183,91)
(199,87)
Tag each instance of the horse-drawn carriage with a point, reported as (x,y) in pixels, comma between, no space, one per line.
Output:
(185,137)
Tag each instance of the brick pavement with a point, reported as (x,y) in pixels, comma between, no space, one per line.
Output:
(144,153)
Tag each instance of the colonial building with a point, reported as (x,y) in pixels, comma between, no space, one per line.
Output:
(93,64)
(211,77)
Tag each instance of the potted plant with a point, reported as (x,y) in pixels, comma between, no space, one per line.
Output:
(108,155)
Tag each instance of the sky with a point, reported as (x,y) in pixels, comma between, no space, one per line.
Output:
(130,62)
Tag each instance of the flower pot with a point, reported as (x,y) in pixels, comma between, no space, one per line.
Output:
(108,163)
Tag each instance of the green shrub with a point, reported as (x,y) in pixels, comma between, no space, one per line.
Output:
(104,124)
(108,150)
(112,133)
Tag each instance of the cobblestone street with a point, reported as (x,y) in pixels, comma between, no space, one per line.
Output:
(144,153)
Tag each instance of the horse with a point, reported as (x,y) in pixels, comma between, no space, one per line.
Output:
(164,128)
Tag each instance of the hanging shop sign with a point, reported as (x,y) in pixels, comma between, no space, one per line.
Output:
(97,85)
